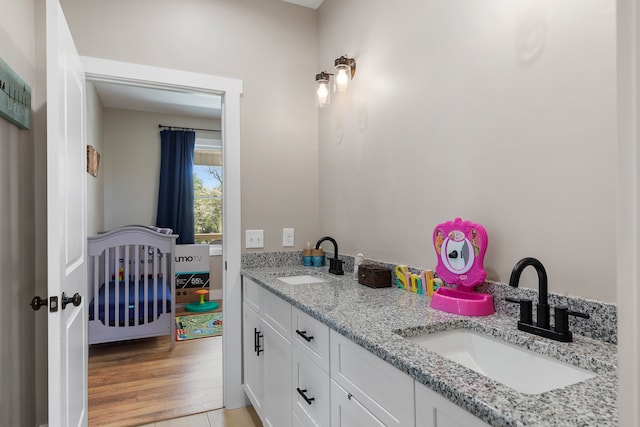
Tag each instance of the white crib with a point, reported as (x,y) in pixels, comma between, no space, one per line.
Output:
(131,287)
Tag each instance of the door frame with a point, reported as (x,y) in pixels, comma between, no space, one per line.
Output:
(628,207)
(98,69)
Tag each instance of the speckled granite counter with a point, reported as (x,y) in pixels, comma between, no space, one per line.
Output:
(376,318)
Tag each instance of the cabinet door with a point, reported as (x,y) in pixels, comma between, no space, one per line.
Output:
(433,410)
(310,392)
(253,354)
(347,411)
(277,365)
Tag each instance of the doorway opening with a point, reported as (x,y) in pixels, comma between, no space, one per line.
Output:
(198,92)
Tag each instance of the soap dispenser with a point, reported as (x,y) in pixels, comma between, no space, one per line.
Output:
(356,263)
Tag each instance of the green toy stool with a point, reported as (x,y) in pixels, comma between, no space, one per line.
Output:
(202,305)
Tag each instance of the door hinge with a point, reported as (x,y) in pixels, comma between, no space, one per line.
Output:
(225,266)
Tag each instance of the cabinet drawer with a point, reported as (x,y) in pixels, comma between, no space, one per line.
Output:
(311,337)
(433,410)
(277,313)
(385,391)
(295,421)
(253,294)
(347,411)
(313,383)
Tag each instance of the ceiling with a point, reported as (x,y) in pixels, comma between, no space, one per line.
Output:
(313,4)
(153,100)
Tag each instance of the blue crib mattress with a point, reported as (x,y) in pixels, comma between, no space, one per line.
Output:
(153,286)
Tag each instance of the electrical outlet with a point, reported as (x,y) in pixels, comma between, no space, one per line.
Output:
(287,237)
(254,239)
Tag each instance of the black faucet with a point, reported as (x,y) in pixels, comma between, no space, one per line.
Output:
(335,264)
(542,327)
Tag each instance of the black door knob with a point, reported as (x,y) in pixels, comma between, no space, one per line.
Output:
(38,302)
(76,299)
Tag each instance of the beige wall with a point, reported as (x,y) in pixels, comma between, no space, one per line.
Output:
(131,163)
(495,111)
(95,185)
(271,46)
(519,96)
(17,228)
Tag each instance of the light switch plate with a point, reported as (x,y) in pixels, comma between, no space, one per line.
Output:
(287,237)
(254,239)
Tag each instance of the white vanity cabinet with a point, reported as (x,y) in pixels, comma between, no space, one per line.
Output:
(298,372)
(433,410)
(365,390)
(267,354)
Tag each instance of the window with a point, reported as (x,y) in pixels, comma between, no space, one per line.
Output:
(207,186)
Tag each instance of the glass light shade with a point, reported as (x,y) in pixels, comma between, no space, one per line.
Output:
(343,77)
(323,94)
(345,70)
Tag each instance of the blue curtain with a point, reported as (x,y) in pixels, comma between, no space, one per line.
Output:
(175,197)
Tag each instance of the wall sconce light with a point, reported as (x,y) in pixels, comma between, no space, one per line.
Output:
(323,92)
(345,70)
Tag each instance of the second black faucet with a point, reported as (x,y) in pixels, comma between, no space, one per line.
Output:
(542,326)
(335,264)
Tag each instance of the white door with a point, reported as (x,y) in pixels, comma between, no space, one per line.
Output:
(66,225)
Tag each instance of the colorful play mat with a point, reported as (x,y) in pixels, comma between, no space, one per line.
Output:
(198,326)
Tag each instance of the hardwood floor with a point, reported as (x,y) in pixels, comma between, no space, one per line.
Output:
(142,381)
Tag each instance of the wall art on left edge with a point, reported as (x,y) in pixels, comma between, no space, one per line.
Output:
(15,97)
(93,160)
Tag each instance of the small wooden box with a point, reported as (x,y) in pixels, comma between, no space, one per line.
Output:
(374,276)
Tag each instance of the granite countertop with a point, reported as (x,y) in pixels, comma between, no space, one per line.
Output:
(376,318)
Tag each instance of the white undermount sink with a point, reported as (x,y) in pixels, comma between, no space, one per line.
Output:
(516,367)
(302,279)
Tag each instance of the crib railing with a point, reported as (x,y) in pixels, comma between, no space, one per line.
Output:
(133,290)
(131,285)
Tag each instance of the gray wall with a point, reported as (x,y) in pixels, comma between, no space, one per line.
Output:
(17,228)
(499,112)
(272,47)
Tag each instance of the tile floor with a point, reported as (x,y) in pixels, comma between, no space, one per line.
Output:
(241,417)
